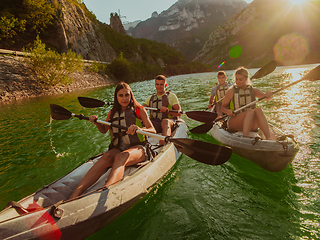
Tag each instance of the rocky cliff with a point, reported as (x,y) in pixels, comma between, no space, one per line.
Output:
(78,30)
(187,24)
(265,30)
(116,24)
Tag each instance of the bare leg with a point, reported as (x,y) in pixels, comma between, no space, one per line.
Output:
(166,125)
(128,157)
(95,172)
(244,122)
(248,122)
(262,122)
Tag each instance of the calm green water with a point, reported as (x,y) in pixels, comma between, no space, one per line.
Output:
(237,200)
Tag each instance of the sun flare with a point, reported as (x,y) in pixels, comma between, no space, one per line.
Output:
(298,2)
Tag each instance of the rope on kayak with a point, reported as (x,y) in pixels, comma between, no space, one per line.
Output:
(284,137)
(256,139)
(283,140)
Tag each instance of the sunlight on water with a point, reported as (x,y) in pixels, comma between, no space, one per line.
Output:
(51,142)
(237,200)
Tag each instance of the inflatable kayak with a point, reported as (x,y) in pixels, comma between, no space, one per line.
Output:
(272,155)
(47,214)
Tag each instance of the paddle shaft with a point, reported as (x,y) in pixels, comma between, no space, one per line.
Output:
(265,70)
(119,126)
(101,103)
(169,110)
(264,97)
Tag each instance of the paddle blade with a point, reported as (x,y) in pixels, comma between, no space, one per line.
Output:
(204,152)
(313,75)
(202,116)
(59,113)
(270,67)
(90,102)
(204,128)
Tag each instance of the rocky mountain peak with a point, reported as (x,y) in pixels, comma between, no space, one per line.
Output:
(187,24)
(116,24)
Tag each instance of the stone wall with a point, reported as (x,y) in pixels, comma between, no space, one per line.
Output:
(16,83)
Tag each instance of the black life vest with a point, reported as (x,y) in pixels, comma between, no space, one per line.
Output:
(158,102)
(127,118)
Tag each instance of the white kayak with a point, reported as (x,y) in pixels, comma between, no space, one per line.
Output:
(272,155)
(47,214)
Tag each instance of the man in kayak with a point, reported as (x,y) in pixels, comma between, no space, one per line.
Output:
(218,92)
(163,120)
(127,147)
(239,95)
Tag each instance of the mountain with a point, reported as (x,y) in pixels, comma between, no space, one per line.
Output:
(187,24)
(265,30)
(67,25)
(128,25)
(71,26)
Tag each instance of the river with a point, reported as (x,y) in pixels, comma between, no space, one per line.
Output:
(236,200)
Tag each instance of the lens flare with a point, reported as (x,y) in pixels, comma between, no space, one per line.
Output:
(298,2)
(221,64)
(235,51)
(291,49)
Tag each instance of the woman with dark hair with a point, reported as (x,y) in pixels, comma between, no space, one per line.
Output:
(127,147)
(239,95)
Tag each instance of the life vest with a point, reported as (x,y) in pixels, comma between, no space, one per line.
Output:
(242,97)
(127,118)
(158,102)
(221,91)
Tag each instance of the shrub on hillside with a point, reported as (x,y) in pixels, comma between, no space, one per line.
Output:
(120,68)
(51,67)
(10,26)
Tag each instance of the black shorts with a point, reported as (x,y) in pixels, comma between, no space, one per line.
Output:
(157,125)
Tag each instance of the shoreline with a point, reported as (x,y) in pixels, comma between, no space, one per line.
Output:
(17,84)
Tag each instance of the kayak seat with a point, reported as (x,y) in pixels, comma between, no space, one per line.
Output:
(132,168)
(100,183)
(55,193)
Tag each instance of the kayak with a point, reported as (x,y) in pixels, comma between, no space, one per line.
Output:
(47,214)
(272,155)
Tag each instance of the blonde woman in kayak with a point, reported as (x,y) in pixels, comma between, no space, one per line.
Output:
(239,95)
(127,147)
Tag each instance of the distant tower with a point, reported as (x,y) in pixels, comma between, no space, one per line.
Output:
(120,15)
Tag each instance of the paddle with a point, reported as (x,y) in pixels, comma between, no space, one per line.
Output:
(264,71)
(200,116)
(203,152)
(313,75)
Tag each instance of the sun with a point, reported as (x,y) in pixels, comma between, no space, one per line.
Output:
(298,2)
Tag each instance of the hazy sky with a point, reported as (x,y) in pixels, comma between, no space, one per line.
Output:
(132,9)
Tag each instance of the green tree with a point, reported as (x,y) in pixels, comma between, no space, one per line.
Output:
(10,26)
(39,14)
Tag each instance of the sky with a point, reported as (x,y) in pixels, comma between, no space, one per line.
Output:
(131,9)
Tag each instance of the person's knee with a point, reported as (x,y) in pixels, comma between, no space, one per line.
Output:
(258,110)
(165,122)
(107,159)
(121,158)
(250,113)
